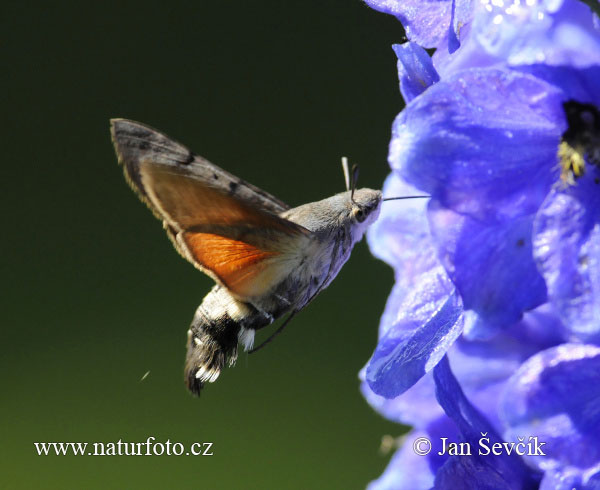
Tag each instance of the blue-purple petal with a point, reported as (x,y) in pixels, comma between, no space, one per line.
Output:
(507,258)
(482,369)
(483,142)
(567,250)
(425,22)
(540,329)
(475,471)
(566,479)
(404,355)
(555,396)
(401,231)
(549,31)
(401,237)
(453,41)
(414,407)
(515,32)
(491,265)
(580,84)
(415,70)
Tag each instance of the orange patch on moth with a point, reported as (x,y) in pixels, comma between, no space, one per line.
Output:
(233,261)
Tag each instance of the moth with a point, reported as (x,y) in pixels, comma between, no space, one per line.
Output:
(267,259)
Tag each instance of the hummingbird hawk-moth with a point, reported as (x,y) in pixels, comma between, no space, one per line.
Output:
(266,258)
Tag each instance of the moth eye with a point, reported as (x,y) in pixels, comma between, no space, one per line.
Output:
(359,214)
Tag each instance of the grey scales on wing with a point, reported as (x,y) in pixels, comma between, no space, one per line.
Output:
(136,142)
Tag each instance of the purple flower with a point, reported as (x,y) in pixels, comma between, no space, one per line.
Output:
(483,368)
(496,308)
(488,158)
(555,395)
(429,23)
(424,314)
(475,468)
(484,144)
(520,32)
(479,33)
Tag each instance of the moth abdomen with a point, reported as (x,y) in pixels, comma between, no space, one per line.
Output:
(212,344)
(220,323)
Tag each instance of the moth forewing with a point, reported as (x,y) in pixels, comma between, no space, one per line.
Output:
(135,143)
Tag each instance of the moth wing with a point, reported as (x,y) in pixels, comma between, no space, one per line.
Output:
(135,142)
(224,226)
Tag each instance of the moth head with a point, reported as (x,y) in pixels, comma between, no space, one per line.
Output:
(364,203)
(364,207)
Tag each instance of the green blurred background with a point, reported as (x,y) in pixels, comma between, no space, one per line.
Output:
(94,296)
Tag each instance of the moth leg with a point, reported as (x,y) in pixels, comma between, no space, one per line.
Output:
(274,334)
(283,300)
(260,318)
(293,313)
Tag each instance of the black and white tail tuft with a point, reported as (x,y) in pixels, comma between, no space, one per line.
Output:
(212,343)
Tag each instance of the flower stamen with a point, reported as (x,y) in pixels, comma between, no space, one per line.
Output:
(580,142)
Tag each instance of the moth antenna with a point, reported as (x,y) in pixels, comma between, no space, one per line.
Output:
(353,181)
(275,333)
(346,172)
(404,197)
